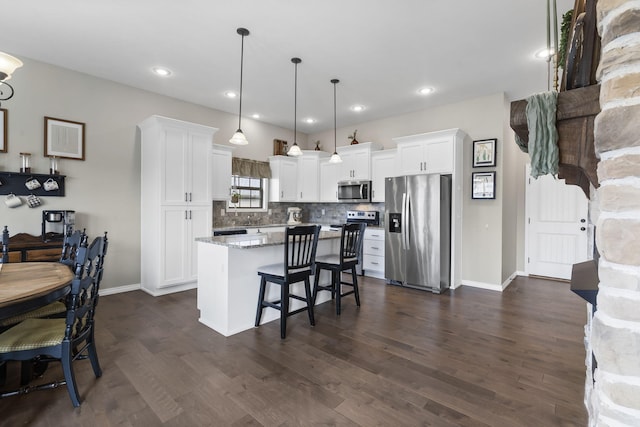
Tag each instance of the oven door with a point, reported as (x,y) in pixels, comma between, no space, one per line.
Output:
(354,191)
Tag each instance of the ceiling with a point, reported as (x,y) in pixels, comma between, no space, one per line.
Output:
(382,51)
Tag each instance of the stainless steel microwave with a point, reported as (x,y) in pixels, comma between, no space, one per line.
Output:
(354,191)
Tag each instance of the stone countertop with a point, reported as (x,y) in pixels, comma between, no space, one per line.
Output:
(258,240)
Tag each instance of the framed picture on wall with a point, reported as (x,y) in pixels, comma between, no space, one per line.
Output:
(484,153)
(483,185)
(63,138)
(3,130)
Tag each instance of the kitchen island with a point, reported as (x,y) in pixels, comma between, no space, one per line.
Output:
(228,281)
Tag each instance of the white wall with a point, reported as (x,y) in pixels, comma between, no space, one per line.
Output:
(104,190)
(483,238)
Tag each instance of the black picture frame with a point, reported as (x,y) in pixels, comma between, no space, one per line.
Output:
(483,185)
(484,153)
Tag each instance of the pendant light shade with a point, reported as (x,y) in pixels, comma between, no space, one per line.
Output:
(295,149)
(8,65)
(238,138)
(335,157)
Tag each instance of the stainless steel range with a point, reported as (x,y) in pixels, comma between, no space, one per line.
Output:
(371,218)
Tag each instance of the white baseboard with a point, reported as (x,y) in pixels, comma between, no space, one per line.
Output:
(119,289)
(482,285)
(171,289)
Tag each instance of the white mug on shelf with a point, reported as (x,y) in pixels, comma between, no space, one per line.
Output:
(12,200)
(50,185)
(32,184)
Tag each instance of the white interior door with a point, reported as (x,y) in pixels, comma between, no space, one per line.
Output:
(558,227)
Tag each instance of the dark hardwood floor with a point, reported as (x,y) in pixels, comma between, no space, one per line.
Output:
(468,357)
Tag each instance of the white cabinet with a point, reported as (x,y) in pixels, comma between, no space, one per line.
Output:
(383,164)
(176,193)
(329,173)
(221,173)
(356,161)
(309,175)
(425,153)
(179,228)
(283,182)
(373,252)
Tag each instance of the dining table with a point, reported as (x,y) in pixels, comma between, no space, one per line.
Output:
(25,286)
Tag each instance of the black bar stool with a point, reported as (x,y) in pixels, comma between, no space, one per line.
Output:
(346,260)
(299,255)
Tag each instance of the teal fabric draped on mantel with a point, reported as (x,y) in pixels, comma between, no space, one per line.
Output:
(250,168)
(543,135)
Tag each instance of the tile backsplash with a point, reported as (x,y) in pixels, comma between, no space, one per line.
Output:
(321,213)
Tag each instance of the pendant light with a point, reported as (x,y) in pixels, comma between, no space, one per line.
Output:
(295,149)
(8,65)
(335,157)
(238,138)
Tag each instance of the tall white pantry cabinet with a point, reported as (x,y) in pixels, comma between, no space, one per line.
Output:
(176,194)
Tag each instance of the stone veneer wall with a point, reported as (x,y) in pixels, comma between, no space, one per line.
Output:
(613,399)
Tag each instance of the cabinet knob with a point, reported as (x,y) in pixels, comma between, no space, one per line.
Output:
(582,228)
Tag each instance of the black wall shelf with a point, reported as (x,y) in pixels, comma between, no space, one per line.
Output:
(14,182)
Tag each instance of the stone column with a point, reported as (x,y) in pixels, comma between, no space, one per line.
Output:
(614,399)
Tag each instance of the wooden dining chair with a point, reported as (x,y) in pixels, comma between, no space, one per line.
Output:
(66,339)
(347,260)
(299,256)
(5,245)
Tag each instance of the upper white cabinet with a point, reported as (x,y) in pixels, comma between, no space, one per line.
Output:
(221,173)
(383,164)
(183,161)
(329,173)
(309,175)
(283,183)
(426,153)
(176,193)
(356,161)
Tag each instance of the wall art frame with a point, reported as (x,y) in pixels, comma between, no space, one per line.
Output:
(484,153)
(4,134)
(483,185)
(64,138)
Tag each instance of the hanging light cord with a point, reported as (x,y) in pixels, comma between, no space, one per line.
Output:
(243,32)
(295,100)
(335,132)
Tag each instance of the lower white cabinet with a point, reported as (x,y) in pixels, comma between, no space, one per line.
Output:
(179,226)
(373,252)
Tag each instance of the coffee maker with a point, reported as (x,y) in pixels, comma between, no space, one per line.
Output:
(57,224)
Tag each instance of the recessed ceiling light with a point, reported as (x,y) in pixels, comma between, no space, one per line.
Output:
(357,108)
(425,90)
(161,71)
(230,94)
(255,116)
(309,120)
(544,53)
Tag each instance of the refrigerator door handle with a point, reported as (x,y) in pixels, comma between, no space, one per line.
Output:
(403,221)
(407,213)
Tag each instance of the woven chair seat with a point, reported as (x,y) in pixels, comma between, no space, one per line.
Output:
(31,334)
(56,307)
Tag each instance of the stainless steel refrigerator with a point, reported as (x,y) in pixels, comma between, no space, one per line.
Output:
(418,231)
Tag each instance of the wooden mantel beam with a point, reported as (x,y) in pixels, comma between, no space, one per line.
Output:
(576,112)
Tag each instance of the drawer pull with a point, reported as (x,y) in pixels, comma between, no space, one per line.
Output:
(376,248)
